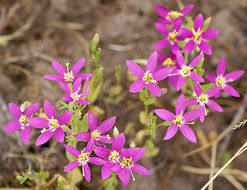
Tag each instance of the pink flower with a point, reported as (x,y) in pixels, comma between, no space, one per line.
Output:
(198,36)
(74,94)
(128,160)
(95,134)
(179,121)
(67,76)
(112,157)
(148,78)
(222,81)
(22,121)
(171,36)
(169,17)
(203,99)
(82,159)
(52,125)
(186,71)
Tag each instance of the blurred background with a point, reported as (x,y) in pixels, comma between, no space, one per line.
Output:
(35,32)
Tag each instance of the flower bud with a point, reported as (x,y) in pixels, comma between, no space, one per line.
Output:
(132,145)
(163,91)
(86,85)
(69,133)
(23,107)
(115,132)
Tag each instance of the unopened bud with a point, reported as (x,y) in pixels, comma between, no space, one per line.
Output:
(132,145)
(86,85)
(149,121)
(163,91)
(69,133)
(23,107)
(115,132)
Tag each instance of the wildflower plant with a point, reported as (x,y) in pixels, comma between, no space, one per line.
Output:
(188,44)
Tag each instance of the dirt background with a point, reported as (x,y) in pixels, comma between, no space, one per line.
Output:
(42,30)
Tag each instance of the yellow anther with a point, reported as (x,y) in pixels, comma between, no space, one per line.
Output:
(126,162)
(83,157)
(43,130)
(69,76)
(114,155)
(220,81)
(178,119)
(173,35)
(173,15)
(186,70)
(23,120)
(168,62)
(94,135)
(197,34)
(108,137)
(75,96)
(53,123)
(230,79)
(147,76)
(203,98)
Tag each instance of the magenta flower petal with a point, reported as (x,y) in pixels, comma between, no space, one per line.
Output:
(14,110)
(199,22)
(162,11)
(106,125)
(187,9)
(44,137)
(83,102)
(65,88)
(87,172)
(124,175)
(181,82)
(38,123)
(33,108)
(196,77)
(65,117)
(232,76)
(12,126)
(212,104)
(161,44)
(186,33)
(188,133)
(84,94)
(173,80)
(231,91)
(201,112)
(164,114)
(77,67)
(140,169)
(211,78)
(162,29)
(210,34)
(212,92)
(152,62)
(137,156)
(67,99)
(53,77)
(92,121)
(190,116)
(196,60)
(177,24)
(102,152)
(161,57)
(59,68)
(73,151)
(171,131)
(90,146)
(180,59)
(49,110)
(189,46)
(83,136)
(164,21)
(71,166)
(174,47)
(135,69)
(137,86)
(84,76)
(221,67)
(59,134)
(154,89)
(118,142)
(96,161)
(205,48)
(197,89)
(25,134)
(180,104)
(106,171)
(77,85)
(191,102)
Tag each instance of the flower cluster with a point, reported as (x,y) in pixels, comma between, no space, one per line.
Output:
(183,40)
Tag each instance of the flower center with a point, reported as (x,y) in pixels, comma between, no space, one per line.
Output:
(126,162)
(53,124)
(220,81)
(186,71)
(168,62)
(173,15)
(148,77)
(23,121)
(179,119)
(114,155)
(173,35)
(197,35)
(69,77)
(83,157)
(75,96)
(94,135)
(203,98)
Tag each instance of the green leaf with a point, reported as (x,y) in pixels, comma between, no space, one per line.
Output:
(21,179)
(207,87)
(74,176)
(143,117)
(111,183)
(96,52)
(206,24)
(199,68)
(118,73)
(151,150)
(61,183)
(83,124)
(165,123)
